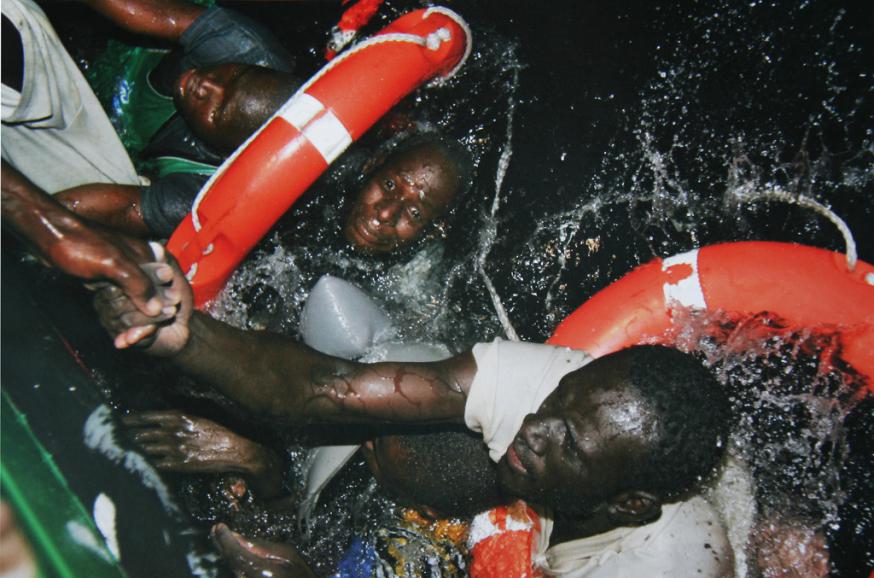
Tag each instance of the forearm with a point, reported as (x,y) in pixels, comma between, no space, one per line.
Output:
(165,19)
(116,206)
(276,376)
(32,214)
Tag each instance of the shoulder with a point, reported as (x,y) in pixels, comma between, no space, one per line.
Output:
(689,539)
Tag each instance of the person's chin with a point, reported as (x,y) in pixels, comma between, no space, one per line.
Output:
(511,483)
(363,240)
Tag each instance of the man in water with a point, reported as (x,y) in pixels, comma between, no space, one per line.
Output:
(190,107)
(229,76)
(611,451)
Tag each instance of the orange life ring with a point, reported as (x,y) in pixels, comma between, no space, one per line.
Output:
(264,177)
(806,286)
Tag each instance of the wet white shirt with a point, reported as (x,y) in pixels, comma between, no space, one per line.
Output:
(54,131)
(512,380)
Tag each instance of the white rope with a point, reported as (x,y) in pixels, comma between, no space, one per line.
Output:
(468,39)
(503,317)
(776,194)
(490,231)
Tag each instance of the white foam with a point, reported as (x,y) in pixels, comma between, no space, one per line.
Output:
(99,435)
(104,517)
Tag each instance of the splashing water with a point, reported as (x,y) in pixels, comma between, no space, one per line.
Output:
(601,138)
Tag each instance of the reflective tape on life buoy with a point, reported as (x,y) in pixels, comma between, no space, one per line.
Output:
(263,178)
(806,286)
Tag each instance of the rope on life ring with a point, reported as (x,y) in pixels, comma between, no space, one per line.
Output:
(265,175)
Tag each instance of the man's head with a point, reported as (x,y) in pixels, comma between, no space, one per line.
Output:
(439,472)
(404,195)
(224,104)
(621,435)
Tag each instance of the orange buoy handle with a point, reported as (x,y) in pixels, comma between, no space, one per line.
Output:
(267,174)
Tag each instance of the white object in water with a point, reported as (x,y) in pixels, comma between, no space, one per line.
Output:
(340,319)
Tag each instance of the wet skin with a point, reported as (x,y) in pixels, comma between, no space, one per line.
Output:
(183,443)
(254,558)
(573,449)
(401,199)
(220,103)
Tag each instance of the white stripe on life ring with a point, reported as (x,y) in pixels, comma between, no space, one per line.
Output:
(319,125)
(328,135)
(686,292)
(300,110)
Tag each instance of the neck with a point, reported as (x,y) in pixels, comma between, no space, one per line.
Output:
(566,528)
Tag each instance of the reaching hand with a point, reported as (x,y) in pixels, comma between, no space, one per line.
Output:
(189,444)
(252,557)
(94,254)
(163,336)
(63,240)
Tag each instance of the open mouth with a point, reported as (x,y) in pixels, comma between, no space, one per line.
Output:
(365,235)
(365,232)
(514,461)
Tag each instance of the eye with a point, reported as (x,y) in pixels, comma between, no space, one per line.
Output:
(389,184)
(569,442)
(415,213)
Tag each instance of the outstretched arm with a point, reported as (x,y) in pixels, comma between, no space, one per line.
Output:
(276,376)
(165,19)
(63,240)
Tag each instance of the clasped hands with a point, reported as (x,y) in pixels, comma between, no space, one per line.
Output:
(164,334)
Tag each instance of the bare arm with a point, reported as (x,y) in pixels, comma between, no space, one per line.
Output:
(276,376)
(116,206)
(63,240)
(165,19)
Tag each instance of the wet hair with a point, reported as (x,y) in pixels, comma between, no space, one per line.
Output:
(692,419)
(463,489)
(258,110)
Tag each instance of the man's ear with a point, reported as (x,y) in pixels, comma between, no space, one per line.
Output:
(634,507)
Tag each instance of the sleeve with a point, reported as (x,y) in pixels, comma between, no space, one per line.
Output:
(167,200)
(220,35)
(512,380)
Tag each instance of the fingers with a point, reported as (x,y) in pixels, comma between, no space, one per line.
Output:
(158,251)
(124,321)
(154,418)
(137,285)
(139,336)
(142,282)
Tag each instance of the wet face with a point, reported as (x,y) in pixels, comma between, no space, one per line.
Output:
(223,104)
(400,200)
(570,453)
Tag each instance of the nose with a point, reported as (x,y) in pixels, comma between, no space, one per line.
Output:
(387,210)
(538,431)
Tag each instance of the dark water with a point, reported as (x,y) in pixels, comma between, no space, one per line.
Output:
(604,135)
